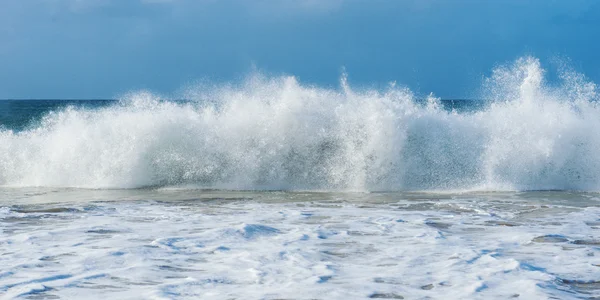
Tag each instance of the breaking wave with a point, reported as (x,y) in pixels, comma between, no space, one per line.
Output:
(275,133)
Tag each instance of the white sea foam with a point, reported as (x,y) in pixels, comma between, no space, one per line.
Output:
(224,245)
(275,133)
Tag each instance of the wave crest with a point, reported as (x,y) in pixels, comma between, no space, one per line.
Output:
(274,133)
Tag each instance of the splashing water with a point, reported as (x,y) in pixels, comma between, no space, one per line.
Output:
(274,133)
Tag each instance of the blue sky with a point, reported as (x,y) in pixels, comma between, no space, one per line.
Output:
(104,48)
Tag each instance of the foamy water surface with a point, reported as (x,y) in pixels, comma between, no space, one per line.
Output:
(189,244)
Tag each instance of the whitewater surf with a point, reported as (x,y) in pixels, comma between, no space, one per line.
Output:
(275,189)
(277,134)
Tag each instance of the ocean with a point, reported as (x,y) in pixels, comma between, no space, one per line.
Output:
(271,189)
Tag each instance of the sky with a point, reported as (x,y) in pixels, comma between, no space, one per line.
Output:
(74,49)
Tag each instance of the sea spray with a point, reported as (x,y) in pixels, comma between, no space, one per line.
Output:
(275,133)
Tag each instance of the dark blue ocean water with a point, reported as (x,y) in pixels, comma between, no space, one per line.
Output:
(18,114)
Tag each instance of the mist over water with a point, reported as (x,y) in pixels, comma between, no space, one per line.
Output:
(275,133)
